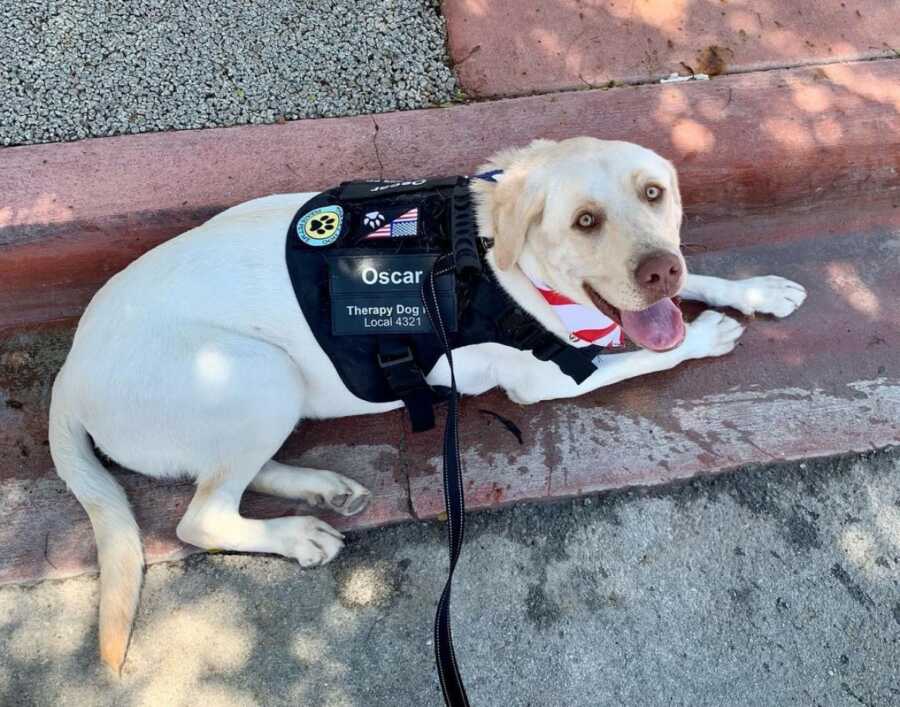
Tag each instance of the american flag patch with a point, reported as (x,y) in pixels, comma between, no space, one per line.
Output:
(405,225)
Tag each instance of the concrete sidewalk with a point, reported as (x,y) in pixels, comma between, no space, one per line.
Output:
(768,586)
(519,47)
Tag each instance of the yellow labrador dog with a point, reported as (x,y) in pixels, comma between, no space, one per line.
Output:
(196,360)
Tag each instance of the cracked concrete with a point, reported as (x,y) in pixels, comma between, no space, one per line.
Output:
(375,147)
(773,585)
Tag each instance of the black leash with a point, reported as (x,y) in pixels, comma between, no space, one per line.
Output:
(448,669)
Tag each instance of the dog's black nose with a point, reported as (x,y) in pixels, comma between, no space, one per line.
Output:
(659,274)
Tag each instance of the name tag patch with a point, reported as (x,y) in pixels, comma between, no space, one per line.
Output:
(381,294)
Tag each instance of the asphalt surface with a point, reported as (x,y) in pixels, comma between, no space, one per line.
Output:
(770,586)
(88,68)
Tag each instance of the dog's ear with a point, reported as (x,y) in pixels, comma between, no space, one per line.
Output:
(676,192)
(516,204)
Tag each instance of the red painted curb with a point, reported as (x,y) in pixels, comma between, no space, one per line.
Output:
(818,138)
(519,47)
(794,172)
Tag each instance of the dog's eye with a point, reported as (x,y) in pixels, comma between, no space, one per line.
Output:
(653,192)
(586,220)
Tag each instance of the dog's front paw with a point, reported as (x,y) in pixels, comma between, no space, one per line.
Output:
(768,295)
(314,543)
(710,334)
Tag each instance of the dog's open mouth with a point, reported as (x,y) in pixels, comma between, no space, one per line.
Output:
(660,327)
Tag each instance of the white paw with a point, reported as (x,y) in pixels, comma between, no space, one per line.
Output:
(314,542)
(339,494)
(710,334)
(768,295)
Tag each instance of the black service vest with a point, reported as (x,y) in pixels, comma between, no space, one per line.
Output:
(357,255)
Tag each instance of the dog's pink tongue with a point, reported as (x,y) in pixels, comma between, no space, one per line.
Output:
(659,327)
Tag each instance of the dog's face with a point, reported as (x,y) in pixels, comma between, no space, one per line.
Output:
(600,222)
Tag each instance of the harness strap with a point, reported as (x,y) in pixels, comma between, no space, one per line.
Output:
(448,670)
(575,363)
(524,332)
(407,382)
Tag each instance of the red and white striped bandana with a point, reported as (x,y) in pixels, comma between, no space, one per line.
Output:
(587,324)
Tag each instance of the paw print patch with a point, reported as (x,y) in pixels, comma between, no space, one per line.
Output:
(322,226)
(373,219)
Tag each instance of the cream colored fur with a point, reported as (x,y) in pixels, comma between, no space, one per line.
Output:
(196,360)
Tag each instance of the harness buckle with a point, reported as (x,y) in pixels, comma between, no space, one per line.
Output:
(406,380)
(388,360)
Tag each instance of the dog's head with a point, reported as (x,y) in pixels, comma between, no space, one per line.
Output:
(597,220)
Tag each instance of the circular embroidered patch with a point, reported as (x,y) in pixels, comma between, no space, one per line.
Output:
(321,226)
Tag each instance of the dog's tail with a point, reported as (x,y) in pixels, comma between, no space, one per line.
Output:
(118,539)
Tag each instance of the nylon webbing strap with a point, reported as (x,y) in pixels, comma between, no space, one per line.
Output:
(407,381)
(448,670)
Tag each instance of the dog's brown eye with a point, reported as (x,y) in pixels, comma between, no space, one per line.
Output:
(586,220)
(653,192)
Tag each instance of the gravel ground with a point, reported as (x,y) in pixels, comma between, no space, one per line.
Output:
(769,586)
(84,68)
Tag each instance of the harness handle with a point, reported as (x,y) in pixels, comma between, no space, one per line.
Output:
(448,670)
(462,232)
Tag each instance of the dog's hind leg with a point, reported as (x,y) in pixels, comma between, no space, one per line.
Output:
(212,521)
(250,401)
(317,487)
